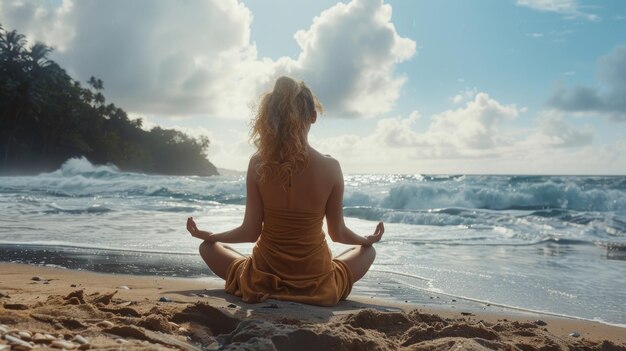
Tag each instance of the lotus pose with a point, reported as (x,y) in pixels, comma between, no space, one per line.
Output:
(290,188)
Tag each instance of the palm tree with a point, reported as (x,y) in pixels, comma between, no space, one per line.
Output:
(12,45)
(38,56)
(12,74)
(23,72)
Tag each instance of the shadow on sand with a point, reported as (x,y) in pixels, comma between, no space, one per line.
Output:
(279,310)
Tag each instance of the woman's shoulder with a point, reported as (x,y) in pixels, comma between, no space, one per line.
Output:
(254,162)
(325,160)
(252,165)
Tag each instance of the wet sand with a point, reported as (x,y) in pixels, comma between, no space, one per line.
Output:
(51,307)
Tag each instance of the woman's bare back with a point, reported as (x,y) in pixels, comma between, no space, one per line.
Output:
(309,190)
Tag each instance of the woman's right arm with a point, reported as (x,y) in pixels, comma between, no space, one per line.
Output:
(337,229)
(250,229)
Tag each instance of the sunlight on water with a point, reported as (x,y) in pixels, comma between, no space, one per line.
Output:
(555,244)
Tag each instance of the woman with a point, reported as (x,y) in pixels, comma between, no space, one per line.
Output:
(290,188)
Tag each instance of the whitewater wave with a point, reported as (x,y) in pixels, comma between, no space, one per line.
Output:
(595,202)
(374,193)
(82,166)
(494,196)
(604,223)
(78,178)
(94,209)
(474,202)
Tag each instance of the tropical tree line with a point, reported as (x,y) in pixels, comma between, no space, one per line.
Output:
(47,117)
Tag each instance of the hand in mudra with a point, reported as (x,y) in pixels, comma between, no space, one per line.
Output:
(192,228)
(378,234)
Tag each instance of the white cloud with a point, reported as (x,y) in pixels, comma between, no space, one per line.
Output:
(534,35)
(184,58)
(554,132)
(469,132)
(397,132)
(415,115)
(167,58)
(608,100)
(40,20)
(475,139)
(463,131)
(449,143)
(464,95)
(348,58)
(474,126)
(569,8)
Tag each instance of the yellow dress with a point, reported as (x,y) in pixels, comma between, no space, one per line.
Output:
(290,261)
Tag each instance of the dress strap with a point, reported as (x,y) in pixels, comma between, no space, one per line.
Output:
(289,195)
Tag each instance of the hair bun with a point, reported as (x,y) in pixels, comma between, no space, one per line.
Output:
(286,87)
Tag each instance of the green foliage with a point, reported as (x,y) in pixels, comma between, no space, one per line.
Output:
(47,117)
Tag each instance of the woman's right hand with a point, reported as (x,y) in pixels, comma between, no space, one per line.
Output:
(378,234)
(192,228)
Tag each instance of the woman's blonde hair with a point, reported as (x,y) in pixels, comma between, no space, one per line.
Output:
(279,129)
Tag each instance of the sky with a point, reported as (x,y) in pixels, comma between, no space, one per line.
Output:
(445,87)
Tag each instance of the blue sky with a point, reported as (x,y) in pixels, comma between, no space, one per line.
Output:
(485,86)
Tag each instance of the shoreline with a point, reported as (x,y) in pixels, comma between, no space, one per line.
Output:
(66,303)
(150,263)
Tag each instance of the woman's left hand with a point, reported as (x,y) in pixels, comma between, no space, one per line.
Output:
(378,234)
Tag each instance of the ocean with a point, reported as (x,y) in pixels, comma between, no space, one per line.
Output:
(552,244)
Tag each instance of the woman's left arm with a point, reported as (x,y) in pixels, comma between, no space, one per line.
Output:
(250,229)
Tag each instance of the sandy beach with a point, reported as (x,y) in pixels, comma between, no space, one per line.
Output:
(44,307)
